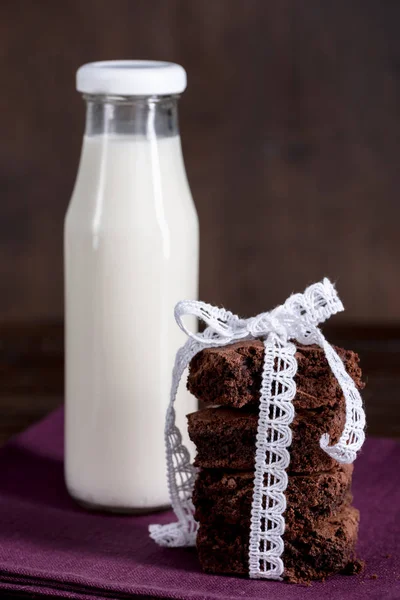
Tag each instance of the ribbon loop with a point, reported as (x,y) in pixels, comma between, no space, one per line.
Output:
(222,325)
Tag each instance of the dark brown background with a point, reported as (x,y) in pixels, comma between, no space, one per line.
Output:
(291,136)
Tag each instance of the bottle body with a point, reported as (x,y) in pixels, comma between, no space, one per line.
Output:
(131,253)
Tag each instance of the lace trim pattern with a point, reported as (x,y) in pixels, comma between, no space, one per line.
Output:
(297,319)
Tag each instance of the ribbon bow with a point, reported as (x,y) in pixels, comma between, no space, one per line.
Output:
(297,319)
(299,316)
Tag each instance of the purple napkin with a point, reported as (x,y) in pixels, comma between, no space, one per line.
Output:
(51,547)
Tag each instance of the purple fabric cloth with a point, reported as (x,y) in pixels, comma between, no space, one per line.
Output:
(49,546)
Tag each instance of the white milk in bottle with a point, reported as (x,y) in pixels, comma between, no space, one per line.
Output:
(131,253)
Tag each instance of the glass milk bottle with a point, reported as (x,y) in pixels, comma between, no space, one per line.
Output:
(131,253)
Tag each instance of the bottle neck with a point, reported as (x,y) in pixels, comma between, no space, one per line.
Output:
(148,116)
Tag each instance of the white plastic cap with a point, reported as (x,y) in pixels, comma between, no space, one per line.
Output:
(131,78)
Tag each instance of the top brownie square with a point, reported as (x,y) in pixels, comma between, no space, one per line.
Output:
(231,375)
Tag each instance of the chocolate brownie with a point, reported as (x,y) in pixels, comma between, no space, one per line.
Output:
(225,438)
(231,375)
(327,548)
(226,496)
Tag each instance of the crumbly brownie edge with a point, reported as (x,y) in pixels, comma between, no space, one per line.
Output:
(226,496)
(310,556)
(231,375)
(225,438)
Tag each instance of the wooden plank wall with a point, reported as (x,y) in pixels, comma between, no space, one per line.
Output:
(291,135)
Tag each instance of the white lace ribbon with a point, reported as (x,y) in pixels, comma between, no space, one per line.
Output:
(297,319)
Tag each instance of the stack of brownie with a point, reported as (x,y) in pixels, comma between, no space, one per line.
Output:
(321,525)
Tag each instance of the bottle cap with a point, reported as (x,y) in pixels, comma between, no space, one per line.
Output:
(131,78)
